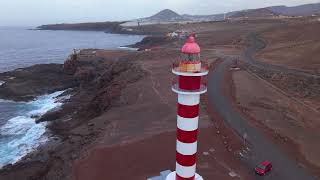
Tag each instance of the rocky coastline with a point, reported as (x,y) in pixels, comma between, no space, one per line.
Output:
(94,84)
(107,27)
(25,84)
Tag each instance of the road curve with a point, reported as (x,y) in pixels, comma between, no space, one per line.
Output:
(257,45)
(261,147)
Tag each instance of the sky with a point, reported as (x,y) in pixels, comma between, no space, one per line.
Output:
(38,12)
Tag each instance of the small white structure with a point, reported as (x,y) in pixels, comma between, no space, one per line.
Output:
(2,83)
(163,175)
(173,34)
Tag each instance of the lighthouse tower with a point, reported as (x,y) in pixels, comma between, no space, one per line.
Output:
(189,88)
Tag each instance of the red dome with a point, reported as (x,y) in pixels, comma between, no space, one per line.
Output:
(191,47)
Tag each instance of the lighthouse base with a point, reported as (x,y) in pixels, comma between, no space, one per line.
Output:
(172,176)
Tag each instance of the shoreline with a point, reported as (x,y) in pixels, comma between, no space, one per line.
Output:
(79,81)
(35,133)
(61,45)
(97,84)
(8,76)
(107,27)
(52,138)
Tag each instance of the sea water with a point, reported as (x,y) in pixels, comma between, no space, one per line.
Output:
(20,47)
(20,134)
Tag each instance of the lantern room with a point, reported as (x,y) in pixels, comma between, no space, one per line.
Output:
(191,61)
(190,68)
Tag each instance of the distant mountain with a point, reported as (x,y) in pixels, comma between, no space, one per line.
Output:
(169,16)
(166,15)
(215,17)
(302,10)
(255,13)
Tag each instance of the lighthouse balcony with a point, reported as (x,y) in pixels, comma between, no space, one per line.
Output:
(190,68)
(183,87)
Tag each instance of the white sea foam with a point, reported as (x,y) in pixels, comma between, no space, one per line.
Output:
(6,101)
(21,134)
(45,103)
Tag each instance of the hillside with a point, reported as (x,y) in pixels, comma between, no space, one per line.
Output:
(302,10)
(215,17)
(254,13)
(166,15)
(296,46)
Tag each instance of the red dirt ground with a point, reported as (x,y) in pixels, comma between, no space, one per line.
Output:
(137,145)
(148,157)
(289,124)
(296,46)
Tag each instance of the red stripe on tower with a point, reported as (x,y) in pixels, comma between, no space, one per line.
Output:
(187,136)
(189,82)
(186,160)
(186,111)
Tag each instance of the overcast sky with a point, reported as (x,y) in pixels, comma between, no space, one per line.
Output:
(37,12)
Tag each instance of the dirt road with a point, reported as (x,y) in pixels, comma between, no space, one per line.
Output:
(261,148)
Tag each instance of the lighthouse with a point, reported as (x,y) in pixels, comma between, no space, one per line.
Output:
(189,87)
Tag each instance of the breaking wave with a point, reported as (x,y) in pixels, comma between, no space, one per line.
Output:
(20,135)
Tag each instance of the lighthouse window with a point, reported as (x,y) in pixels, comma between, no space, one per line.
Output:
(191,57)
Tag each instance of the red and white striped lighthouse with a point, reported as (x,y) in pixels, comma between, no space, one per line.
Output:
(189,88)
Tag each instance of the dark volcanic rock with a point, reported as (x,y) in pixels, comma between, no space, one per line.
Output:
(108,27)
(152,42)
(97,86)
(98,26)
(27,83)
(51,115)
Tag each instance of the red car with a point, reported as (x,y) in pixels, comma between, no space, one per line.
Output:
(263,168)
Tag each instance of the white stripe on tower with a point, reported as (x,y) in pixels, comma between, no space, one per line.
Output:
(188,124)
(187,148)
(186,172)
(189,100)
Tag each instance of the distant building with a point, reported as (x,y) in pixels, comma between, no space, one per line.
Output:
(281,17)
(173,35)
(181,34)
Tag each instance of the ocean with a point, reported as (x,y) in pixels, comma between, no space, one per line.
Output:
(20,47)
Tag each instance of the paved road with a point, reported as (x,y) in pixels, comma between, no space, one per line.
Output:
(261,147)
(257,45)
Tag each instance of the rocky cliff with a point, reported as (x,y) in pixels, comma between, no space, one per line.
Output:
(95,85)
